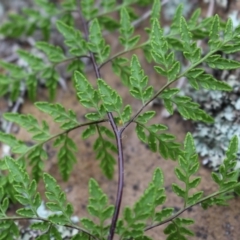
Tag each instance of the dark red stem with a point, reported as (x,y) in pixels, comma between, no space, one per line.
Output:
(118,136)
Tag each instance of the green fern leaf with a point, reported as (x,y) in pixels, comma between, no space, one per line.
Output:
(36,159)
(135,219)
(34,62)
(165,213)
(197,77)
(111,99)
(222,63)
(9,230)
(188,165)
(16,145)
(175,26)
(31,124)
(88,97)
(14,70)
(194,18)
(97,43)
(73,39)
(167,147)
(228,31)
(139,82)
(54,53)
(145,117)
(68,119)
(97,207)
(88,9)
(173,71)
(122,70)
(103,149)
(214,41)
(25,188)
(178,230)
(108,5)
(156,10)
(159,44)
(186,35)
(57,202)
(66,155)
(187,108)
(126,30)
(126,113)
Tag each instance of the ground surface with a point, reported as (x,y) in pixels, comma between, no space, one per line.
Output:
(221,223)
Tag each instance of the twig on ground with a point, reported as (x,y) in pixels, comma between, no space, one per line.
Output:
(210,8)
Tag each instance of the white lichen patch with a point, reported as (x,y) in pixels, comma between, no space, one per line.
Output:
(66,233)
(212,139)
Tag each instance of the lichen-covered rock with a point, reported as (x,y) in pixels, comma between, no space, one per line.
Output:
(212,139)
